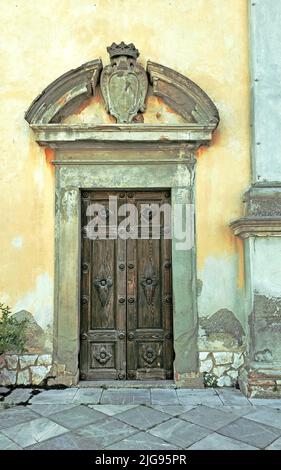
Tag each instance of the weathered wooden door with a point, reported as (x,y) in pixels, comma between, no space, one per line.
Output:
(126,290)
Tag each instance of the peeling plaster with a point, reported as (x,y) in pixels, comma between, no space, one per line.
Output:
(39,301)
(219,287)
(266,266)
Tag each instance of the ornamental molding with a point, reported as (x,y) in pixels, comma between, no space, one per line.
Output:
(246,227)
(124,85)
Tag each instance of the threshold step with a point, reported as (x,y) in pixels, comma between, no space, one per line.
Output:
(127,384)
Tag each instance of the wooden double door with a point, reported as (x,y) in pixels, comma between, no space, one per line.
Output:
(126,289)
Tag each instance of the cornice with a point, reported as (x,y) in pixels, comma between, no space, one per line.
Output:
(246,227)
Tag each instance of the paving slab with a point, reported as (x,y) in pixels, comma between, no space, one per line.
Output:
(217,442)
(68,441)
(12,416)
(77,417)
(238,410)
(179,432)
(7,444)
(31,432)
(199,397)
(88,396)
(269,402)
(107,432)
(265,415)
(143,417)
(48,409)
(276,445)
(125,397)
(4,390)
(19,395)
(210,418)
(232,397)
(142,441)
(55,396)
(251,432)
(173,410)
(164,397)
(112,410)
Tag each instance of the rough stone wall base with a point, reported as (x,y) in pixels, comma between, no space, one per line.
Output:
(221,368)
(24,369)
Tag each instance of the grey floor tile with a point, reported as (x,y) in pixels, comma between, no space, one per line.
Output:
(251,432)
(12,416)
(217,442)
(77,417)
(210,418)
(179,432)
(142,441)
(88,396)
(238,410)
(46,410)
(173,410)
(68,441)
(231,396)
(7,444)
(34,431)
(125,397)
(164,397)
(19,395)
(264,415)
(199,397)
(200,392)
(276,445)
(269,402)
(143,417)
(55,396)
(106,432)
(112,410)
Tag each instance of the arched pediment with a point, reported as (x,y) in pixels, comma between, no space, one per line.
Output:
(125,87)
(182,95)
(65,94)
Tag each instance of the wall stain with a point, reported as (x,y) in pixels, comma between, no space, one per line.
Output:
(224,326)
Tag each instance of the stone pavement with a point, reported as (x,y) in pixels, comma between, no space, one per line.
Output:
(144,419)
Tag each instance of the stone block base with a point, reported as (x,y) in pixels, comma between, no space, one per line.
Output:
(257,381)
(189,380)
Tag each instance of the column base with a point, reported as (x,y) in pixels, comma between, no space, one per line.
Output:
(261,380)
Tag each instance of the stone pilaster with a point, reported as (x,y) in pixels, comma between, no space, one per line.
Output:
(261,226)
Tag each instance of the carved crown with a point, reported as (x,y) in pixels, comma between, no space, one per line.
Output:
(128,50)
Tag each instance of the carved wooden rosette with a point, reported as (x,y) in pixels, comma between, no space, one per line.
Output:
(124,87)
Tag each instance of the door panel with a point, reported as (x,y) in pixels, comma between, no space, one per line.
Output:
(149,323)
(126,297)
(103,307)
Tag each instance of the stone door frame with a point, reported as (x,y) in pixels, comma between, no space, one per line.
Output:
(155,173)
(121,156)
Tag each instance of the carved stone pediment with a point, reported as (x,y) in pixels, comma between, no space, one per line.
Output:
(124,87)
(124,83)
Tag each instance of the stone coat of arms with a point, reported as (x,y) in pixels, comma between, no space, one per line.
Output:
(124,83)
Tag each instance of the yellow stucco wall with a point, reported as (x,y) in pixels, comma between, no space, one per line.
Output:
(203,39)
